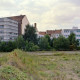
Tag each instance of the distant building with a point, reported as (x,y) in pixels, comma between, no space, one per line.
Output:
(63,32)
(22,22)
(75,30)
(12,27)
(41,34)
(56,34)
(50,32)
(8,29)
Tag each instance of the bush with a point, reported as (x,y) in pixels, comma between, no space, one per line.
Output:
(31,46)
(20,43)
(61,43)
(7,46)
(78,48)
(44,44)
(72,47)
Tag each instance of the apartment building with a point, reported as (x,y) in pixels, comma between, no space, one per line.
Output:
(22,22)
(12,27)
(8,29)
(63,32)
(56,33)
(75,30)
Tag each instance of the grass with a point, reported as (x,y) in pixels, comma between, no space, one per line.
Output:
(20,65)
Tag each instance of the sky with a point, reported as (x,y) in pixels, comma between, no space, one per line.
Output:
(48,14)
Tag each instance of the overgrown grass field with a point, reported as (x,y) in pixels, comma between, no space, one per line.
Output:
(19,65)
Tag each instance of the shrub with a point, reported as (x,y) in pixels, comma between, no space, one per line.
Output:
(20,42)
(78,48)
(31,46)
(7,46)
(61,43)
(44,44)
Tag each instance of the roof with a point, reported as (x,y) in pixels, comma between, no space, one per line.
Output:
(50,32)
(57,32)
(17,18)
(42,33)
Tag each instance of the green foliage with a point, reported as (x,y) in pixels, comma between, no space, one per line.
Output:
(31,46)
(73,42)
(44,44)
(55,66)
(12,73)
(78,48)
(11,46)
(30,34)
(61,43)
(7,46)
(48,38)
(20,43)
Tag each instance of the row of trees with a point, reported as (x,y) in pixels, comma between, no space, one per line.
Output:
(30,42)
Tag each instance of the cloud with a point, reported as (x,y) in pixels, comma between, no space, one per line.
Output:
(48,14)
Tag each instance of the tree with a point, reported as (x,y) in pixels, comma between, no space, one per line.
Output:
(2,46)
(7,46)
(73,41)
(48,38)
(61,43)
(30,34)
(20,43)
(31,46)
(11,45)
(44,44)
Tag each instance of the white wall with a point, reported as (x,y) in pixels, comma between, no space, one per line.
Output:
(24,23)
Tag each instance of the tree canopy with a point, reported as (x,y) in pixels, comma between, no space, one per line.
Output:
(61,43)
(30,34)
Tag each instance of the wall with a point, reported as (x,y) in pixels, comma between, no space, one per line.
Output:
(24,23)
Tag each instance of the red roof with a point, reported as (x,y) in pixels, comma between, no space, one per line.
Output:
(42,33)
(50,31)
(57,32)
(17,18)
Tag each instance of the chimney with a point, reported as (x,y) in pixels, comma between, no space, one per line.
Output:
(35,25)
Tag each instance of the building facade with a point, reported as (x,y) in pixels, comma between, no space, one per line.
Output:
(8,29)
(56,34)
(63,32)
(22,23)
(75,30)
(41,34)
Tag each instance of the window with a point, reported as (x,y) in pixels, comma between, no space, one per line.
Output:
(66,31)
(78,30)
(10,38)
(1,37)
(10,32)
(15,33)
(1,32)
(1,26)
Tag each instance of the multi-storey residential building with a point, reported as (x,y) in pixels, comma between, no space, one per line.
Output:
(63,32)
(56,34)
(12,27)
(22,22)
(75,30)
(8,29)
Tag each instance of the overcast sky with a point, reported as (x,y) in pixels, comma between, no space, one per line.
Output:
(48,14)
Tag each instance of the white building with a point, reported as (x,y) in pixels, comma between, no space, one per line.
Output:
(41,34)
(22,23)
(8,29)
(67,32)
(56,34)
